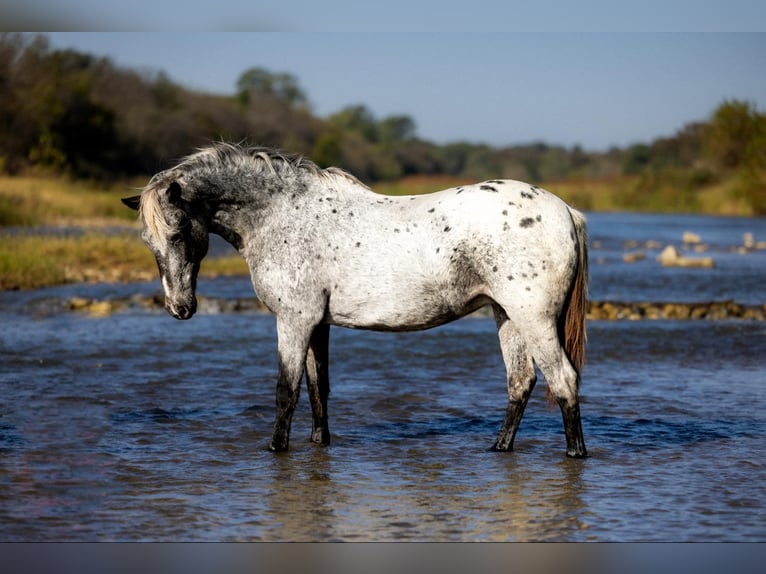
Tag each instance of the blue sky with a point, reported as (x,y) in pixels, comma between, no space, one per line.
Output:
(590,89)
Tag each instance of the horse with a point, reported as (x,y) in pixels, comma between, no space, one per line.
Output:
(323,249)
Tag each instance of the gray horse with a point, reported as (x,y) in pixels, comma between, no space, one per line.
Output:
(323,249)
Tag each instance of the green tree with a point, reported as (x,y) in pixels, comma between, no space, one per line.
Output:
(327,150)
(396,129)
(735,140)
(637,158)
(357,119)
(282,86)
(731,133)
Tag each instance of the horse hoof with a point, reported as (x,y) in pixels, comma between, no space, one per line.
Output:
(577,454)
(322,439)
(496,448)
(278,448)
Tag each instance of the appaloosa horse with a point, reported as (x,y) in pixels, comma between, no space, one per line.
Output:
(323,249)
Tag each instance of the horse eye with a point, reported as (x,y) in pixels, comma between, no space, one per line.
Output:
(176,237)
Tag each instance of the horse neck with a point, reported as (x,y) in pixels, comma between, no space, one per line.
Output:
(242,203)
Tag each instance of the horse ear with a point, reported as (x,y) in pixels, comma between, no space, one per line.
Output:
(174,191)
(132,202)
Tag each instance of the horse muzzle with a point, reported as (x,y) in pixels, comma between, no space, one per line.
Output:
(182,311)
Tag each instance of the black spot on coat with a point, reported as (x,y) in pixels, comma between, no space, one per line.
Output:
(527,222)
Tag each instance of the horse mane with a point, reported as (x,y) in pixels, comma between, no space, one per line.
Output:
(226,155)
(150,212)
(276,162)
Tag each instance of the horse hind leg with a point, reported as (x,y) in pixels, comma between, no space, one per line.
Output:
(563,383)
(318,382)
(520,378)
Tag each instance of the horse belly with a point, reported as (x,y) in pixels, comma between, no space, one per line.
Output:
(422,307)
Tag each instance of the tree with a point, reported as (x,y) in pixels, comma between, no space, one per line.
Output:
(735,139)
(282,86)
(396,129)
(356,119)
(12,140)
(327,149)
(731,132)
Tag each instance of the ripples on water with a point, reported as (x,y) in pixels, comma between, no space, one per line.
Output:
(139,427)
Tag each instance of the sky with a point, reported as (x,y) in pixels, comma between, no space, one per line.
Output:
(595,90)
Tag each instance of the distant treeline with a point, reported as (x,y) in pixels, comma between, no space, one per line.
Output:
(83,116)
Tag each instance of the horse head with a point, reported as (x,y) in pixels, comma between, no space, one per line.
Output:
(178,238)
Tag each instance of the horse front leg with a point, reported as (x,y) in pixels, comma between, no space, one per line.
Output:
(292,343)
(318,382)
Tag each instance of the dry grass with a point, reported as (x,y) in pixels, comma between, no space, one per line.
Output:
(38,200)
(231,265)
(33,261)
(30,261)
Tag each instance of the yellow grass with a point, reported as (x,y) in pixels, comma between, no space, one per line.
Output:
(39,200)
(32,261)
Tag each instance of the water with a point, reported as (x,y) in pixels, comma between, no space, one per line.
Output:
(139,427)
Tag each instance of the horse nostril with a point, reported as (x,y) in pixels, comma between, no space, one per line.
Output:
(186,312)
(182,312)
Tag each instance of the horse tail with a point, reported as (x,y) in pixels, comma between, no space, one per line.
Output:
(572,320)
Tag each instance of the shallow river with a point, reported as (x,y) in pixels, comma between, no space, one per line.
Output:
(139,427)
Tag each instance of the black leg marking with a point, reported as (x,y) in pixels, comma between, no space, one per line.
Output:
(513,413)
(318,383)
(287,398)
(573,430)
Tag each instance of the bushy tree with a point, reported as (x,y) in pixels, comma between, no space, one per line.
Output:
(282,86)
(357,119)
(735,140)
(732,132)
